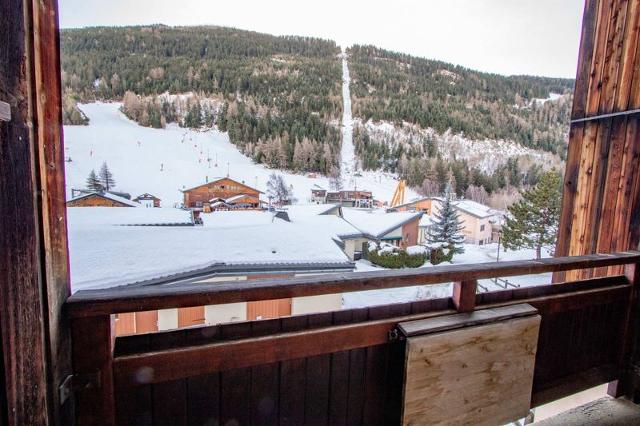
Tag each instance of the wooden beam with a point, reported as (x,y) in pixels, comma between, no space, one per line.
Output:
(173,364)
(464,295)
(28,390)
(51,195)
(145,298)
(93,344)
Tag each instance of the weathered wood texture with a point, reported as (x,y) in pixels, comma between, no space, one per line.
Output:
(600,209)
(479,375)
(93,346)
(351,381)
(33,264)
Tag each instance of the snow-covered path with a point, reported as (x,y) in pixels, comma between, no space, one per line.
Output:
(347,153)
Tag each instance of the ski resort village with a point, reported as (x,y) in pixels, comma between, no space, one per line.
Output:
(153,206)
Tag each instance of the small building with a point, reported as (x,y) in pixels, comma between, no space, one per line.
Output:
(101,199)
(477,220)
(318,195)
(147,200)
(359,199)
(400,229)
(221,190)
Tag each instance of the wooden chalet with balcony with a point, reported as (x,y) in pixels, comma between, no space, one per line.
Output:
(505,351)
(221,193)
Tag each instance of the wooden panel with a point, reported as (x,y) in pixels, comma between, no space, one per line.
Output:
(125,323)
(188,317)
(146,321)
(265,309)
(601,179)
(464,377)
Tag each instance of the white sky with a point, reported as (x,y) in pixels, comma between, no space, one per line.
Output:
(538,37)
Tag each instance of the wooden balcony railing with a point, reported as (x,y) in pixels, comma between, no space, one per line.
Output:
(342,367)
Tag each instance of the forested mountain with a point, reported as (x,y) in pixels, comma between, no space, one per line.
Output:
(432,94)
(275,95)
(280,100)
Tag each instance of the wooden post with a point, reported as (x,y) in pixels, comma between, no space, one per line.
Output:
(464,295)
(93,343)
(629,337)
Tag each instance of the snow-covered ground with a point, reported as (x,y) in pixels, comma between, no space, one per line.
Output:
(164,161)
(473,254)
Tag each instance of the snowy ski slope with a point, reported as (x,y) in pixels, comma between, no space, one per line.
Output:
(164,161)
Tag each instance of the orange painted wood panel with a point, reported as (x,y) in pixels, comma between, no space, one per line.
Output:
(190,316)
(125,323)
(146,321)
(268,309)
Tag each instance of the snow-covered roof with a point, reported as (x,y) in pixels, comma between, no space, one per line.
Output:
(377,222)
(109,216)
(109,196)
(474,209)
(305,210)
(103,255)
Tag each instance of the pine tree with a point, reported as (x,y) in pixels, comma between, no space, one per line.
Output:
(106,178)
(447,226)
(93,183)
(533,221)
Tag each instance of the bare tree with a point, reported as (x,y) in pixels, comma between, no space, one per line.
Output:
(429,188)
(335,180)
(477,194)
(278,190)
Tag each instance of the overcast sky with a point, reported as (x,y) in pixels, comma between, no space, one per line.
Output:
(538,37)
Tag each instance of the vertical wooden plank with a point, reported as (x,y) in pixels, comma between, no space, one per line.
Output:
(585,56)
(265,381)
(203,400)
(170,403)
(613,56)
(235,387)
(316,404)
(47,101)
(375,385)
(93,342)
(339,371)
(598,59)
(630,44)
(292,392)
(355,399)
(464,295)
(134,406)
